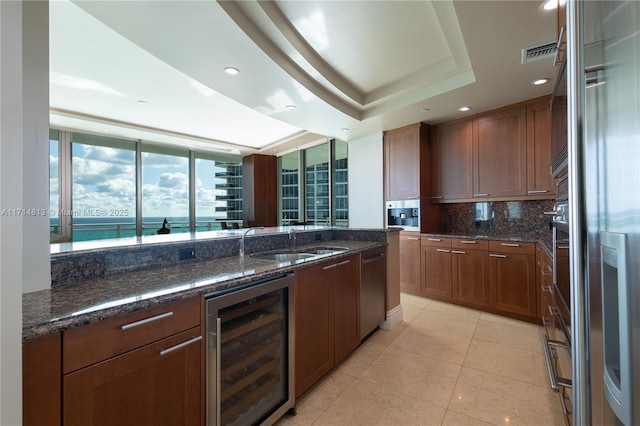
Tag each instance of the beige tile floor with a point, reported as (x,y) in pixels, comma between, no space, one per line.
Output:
(443,365)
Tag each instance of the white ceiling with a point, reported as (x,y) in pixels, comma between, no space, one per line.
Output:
(154,69)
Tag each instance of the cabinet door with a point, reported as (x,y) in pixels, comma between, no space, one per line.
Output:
(410,262)
(470,277)
(314,350)
(346,302)
(451,161)
(500,154)
(513,283)
(436,272)
(141,387)
(402,163)
(41,380)
(539,181)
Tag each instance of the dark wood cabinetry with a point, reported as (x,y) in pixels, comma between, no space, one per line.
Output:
(500,153)
(539,181)
(451,161)
(512,272)
(470,272)
(410,262)
(41,380)
(436,267)
(327,318)
(143,368)
(260,190)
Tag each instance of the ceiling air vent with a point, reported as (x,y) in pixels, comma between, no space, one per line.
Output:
(540,51)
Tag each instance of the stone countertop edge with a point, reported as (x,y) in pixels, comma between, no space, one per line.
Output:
(61,308)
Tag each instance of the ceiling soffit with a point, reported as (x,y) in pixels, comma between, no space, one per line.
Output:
(375,72)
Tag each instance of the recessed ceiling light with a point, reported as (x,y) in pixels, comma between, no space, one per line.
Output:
(232,71)
(143,102)
(424,110)
(540,81)
(550,5)
(290,107)
(464,108)
(345,129)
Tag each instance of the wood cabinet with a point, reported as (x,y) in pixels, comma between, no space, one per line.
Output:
(327,318)
(470,272)
(143,368)
(539,180)
(500,154)
(436,267)
(512,277)
(402,162)
(260,190)
(451,161)
(41,380)
(410,262)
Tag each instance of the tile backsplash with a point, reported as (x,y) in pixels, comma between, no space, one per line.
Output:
(499,218)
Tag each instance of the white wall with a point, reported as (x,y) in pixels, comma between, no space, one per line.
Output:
(24,170)
(366,202)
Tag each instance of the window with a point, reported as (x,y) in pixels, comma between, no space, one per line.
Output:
(54,184)
(165,189)
(103,195)
(324,188)
(218,193)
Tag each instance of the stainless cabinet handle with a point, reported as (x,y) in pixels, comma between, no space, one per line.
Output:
(180,345)
(562,247)
(146,320)
(510,245)
(218,378)
(329,266)
(553,310)
(458,252)
(434,239)
(546,321)
(413,238)
(439,197)
(538,191)
(468,242)
(497,255)
(554,380)
(480,195)
(344,262)
(548,289)
(415,197)
(554,213)
(564,397)
(443,250)
(546,273)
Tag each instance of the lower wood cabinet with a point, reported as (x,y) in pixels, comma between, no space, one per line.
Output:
(143,368)
(327,300)
(41,380)
(513,283)
(470,272)
(410,262)
(436,267)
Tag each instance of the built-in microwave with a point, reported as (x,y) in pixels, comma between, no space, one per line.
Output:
(404,214)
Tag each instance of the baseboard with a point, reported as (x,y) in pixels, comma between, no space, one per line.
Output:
(394,317)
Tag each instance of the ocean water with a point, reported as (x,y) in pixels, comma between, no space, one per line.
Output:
(100,228)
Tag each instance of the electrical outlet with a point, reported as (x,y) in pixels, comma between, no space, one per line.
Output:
(186,253)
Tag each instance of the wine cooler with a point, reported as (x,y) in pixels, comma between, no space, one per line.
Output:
(249,356)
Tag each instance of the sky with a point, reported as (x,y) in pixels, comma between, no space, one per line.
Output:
(104,183)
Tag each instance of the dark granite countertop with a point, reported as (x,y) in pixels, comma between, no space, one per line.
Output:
(68,306)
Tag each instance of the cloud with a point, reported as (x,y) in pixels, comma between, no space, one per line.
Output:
(173,180)
(108,155)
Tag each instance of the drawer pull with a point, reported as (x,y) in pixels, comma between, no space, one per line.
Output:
(180,345)
(344,262)
(480,195)
(146,320)
(439,197)
(554,380)
(510,245)
(413,238)
(546,321)
(443,250)
(329,266)
(562,247)
(468,242)
(563,398)
(458,252)
(497,255)
(434,239)
(548,289)
(546,273)
(538,191)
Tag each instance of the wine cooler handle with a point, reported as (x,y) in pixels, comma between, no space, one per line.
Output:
(218,369)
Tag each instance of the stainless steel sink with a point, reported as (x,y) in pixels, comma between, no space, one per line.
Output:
(323,250)
(283,257)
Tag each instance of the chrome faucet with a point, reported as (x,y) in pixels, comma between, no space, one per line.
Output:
(292,238)
(242,239)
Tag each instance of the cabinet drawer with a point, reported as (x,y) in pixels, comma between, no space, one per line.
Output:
(512,247)
(436,242)
(469,244)
(86,345)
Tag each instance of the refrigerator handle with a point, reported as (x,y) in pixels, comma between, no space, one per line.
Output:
(615,324)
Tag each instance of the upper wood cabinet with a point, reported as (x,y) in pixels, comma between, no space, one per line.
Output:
(451,161)
(402,149)
(539,180)
(260,190)
(500,154)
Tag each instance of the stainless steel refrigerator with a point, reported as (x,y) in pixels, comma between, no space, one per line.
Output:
(604,168)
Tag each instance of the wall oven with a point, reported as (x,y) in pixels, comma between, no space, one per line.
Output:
(557,345)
